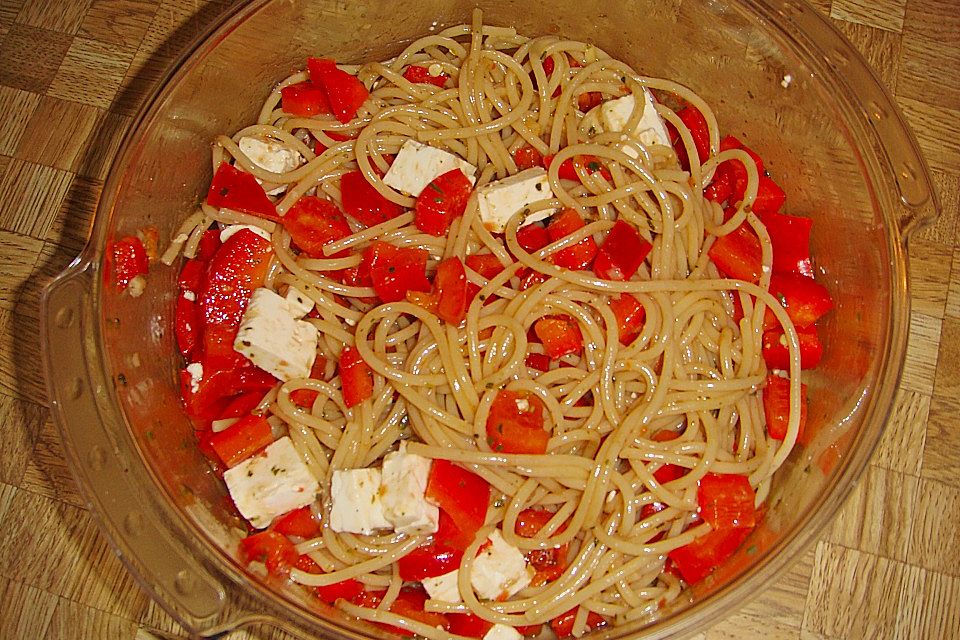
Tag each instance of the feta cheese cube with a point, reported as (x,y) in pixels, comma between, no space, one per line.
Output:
(195,369)
(357,505)
(500,570)
(443,588)
(499,201)
(273,339)
(404,483)
(300,304)
(271,483)
(417,165)
(650,130)
(231,229)
(502,632)
(270,154)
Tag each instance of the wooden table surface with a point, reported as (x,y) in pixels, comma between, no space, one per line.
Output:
(72,72)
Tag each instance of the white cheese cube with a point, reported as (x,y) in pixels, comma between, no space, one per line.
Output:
(231,229)
(272,483)
(270,154)
(273,339)
(357,506)
(500,570)
(299,303)
(502,632)
(650,130)
(443,588)
(417,165)
(499,201)
(404,483)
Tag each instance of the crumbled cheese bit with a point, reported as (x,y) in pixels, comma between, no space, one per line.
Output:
(404,484)
(189,295)
(195,369)
(273,338)
(417,165)
(443,588)
(357,506)
(136,286)
(270,155)
(500,570)
(499,201)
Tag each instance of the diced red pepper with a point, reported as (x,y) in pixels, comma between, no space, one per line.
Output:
(578,256)
(526,157)
(217,388)
(726,501)
(300,522)
(441,201)
(233,188)
(242,439)
(396,270)
(313,223)
(738,254)
(560,335)
(669,472)
(192,275)
(429,560)
(462,496)
(485,264)
(363,202)
(186,326)
(721,187)
(469,625)
(533,237)
(515,423)
(422,75)
(451,285)
(630,316)
(241,405)
(209,244)
(538,361)
(777,355)
(770,197)
(790,240)
(319,147)
(734,171)
(549,564)
(805,300)
(588,100)
(345,93)
(531,278)
(567,169)
(306,397)
(621,253)
(698,559)
(304,99)
(126,259)
(410,604)
(562,625)
(350,590)
(697,125)
(776,407)
(272,549)
(356,378)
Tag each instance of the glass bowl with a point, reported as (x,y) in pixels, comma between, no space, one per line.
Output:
(778,76)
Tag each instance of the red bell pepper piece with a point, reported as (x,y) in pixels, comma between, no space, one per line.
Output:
(484,264)
(533,237)
(469,625)
(186,326)
(721,187)
(776,407)
(463,496)
(567,170)
(272,549)
(356,378)
(209,244)
(697,125)
(527,157)
(549,564)
(451,286)
(738,254)
(562,625)
(538,361)
(363,202)
(770,197)
(515,423)
(299,522)
(242,439)
(127,259)
(444,199)
(306,397)
(304,99)
(669,473)
(698,559)
(396,270)
(238,267)
(217,388)
(345,93)
(726,501)
(733,171)
(241,405)
(805,300)
(531,278)
(578,256)
(350,589)
(192,275)
(410,604)
(790,240)
(630,316)
(560,335)
(313,223)
(777,355)
(621,253)
(429,560)
(422,75)
(233,188)
(319,147)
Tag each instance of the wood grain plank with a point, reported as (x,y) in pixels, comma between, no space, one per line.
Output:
(91,72)
(9,10)
(71,620)
(71,227)
(920,364)
(20,597)
(901,447)
(880,48)
(43,140)
(95,159)
(18,255)
(31,57)
(119,22)
(930,265)
(938,510)
(54,15)
(931,606)
(31,196)
(21,374)
(7,492)
(47,473)
(952,309)
(937,129)
(930,69)
(944,230)
(16,109)
(882,14)
(22,424)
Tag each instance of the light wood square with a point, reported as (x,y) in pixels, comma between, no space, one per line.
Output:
(30,197)
(22,424)
(938,509)
(16,108)
(930,71)
(936,131)
(22,597)
(31,57)
(91,72)
(929,276)
(120,22)
(901,446)
(920,363)
(72,620)
(54,15)
(882,14)
(44,141)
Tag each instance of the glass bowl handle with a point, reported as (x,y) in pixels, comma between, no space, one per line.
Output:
(876,108)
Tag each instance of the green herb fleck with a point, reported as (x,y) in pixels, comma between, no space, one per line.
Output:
(438,200)
(275,470)
(433,186)
(593,165)
(151,435)
(122,379)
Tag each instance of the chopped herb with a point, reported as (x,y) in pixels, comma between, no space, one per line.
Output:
(275,470)
(122,379)
(151,435)
(593,166)
(438,200)
(249,473)
(538,186)
(499,503)
(482,297)
(435,188)
(391,269)
(782,298)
